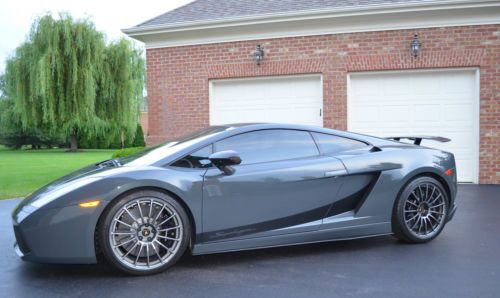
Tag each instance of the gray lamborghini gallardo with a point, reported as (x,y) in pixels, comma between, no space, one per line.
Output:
(238,187)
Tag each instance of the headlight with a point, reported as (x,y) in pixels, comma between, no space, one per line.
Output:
(48,197)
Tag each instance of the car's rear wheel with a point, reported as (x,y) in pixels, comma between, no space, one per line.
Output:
(420,211)
(144,232)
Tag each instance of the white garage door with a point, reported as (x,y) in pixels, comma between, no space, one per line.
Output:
(284,99)
(443,103)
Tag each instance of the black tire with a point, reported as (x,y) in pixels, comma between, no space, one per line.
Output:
(428,220)
(141,197)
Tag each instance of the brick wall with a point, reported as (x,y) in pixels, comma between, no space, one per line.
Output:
(178,76)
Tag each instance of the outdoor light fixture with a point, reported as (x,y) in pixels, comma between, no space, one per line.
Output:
(415,46)
(258,55)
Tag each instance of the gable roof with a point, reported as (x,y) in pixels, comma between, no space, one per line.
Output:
(209,10)
(215,21)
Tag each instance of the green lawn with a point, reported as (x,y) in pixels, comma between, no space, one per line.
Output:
(23,171)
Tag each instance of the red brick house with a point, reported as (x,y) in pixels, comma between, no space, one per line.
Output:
(339,64)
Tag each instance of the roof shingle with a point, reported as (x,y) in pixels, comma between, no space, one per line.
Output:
(208,10)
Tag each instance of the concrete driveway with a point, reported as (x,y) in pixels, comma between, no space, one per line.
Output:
(463,261)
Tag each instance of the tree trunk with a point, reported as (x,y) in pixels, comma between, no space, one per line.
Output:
(122,138)
(73,143)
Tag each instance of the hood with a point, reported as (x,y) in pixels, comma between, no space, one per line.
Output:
(95,170)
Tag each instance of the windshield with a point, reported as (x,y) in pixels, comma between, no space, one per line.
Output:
(156,153)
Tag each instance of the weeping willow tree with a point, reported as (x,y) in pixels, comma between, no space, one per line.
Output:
(121,88)
(67,78)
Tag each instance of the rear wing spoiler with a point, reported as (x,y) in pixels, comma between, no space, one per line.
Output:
(418,139)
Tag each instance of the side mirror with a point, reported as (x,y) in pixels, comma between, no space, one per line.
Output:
(223,160)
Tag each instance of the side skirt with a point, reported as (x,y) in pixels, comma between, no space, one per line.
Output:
(335,234)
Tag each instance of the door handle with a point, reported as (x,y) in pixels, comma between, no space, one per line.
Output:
(336,173)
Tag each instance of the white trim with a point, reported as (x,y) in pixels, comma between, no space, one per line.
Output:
(477,139)
(476,111)
(322,100)
(353,19)
(256,78)
(418,70)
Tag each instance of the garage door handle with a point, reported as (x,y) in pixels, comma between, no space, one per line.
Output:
(335,173)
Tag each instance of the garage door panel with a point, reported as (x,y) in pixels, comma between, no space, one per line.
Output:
(365,87)
(267,115)
(440,103)
(426,112)
(420,84)
(366,114)
(464,170)
(459,112)
(386,87)
(458,84)
(394,113)
(289,99)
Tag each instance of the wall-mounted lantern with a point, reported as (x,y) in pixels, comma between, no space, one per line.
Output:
(258,55)
(415,46)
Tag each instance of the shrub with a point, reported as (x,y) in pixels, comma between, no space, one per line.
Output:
(109,140)
(139,137)
(13,135)
(126,152)
(115,142)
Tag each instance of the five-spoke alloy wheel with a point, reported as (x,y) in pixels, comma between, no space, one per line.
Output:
(144,232)
(421,211)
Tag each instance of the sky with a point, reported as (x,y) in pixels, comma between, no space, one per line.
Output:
(109,16)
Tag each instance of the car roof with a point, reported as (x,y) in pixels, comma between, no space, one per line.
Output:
(270,125)
(236,128)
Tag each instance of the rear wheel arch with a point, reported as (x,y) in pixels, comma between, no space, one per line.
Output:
(177,198)
(432,175)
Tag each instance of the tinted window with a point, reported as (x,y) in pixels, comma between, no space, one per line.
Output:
(195,160)
(269,145)
(333,144)
(156,153)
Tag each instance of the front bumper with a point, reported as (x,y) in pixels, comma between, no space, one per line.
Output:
(58,235)
(20,245)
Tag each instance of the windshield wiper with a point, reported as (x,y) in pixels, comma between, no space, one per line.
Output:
(109,163)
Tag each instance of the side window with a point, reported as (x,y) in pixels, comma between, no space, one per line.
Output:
(195,160)
(333,144)
(269,145)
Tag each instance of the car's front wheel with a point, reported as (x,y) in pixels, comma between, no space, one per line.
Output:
(420,211)
(144,232)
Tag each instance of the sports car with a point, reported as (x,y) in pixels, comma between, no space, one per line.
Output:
(238,187)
